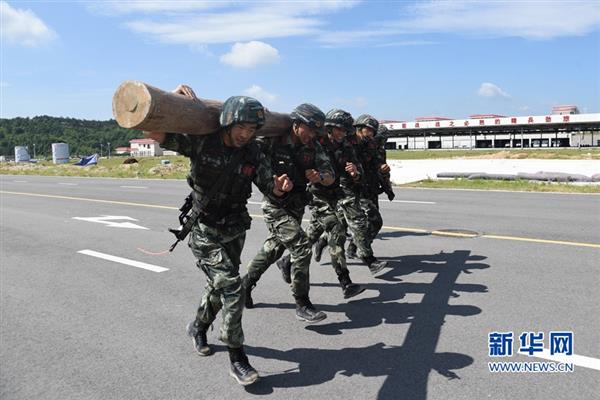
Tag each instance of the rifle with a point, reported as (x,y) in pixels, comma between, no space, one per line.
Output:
(188,213)
(187,217)
(386,186)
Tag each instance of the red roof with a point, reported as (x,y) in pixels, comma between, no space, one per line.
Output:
(565,107)
(477,116)
(143,141)
(424,119)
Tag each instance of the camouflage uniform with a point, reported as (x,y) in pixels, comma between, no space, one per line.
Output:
(370,155)
(283,216)
(324,216)
(218,236)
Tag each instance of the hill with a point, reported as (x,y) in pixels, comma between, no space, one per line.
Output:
(83,136)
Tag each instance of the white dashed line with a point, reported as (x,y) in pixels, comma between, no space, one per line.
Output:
(134,187)
(126,261)
(580,361)
(20,181)
(67,184)
(414,202)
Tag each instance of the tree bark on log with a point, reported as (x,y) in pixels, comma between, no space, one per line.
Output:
(137,105)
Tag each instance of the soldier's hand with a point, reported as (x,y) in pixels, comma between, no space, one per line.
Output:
(384,168)
(351,169)
(186,91)
(312,175)
(283,184)
(158,136)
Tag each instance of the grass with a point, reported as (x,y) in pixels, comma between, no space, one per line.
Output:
(147,167)
(151,167)
(517,185)
(556,154)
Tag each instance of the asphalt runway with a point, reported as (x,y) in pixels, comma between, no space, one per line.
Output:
(87,314)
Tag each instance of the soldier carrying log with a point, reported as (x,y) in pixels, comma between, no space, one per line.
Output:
(224,165)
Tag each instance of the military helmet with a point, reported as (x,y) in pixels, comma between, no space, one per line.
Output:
(368,121)
(340,118)
(382,130)
(241,109)
(310,115)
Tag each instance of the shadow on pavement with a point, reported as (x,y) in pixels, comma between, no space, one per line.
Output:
(405,367)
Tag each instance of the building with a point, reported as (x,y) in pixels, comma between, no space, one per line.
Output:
(123,150)
(145,148)
(565,127)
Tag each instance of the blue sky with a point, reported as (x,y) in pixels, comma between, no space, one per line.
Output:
(394,60)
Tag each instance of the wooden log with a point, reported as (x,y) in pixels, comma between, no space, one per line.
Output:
(137,105)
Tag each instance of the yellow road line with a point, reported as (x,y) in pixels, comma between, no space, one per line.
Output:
(389,228)
(123,203)
(523,239)
(454,234)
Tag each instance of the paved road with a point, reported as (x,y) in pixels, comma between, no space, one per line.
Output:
(79,327)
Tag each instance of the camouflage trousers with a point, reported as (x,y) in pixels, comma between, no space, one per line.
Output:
(218,254)
(324,219)
(285,233)
(370,205)
(352,213)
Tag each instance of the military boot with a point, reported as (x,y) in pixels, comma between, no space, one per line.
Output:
(351,250)
(241,370)
(349,288)
(248,285)
(285,266)
(375,266)
(197,331)
(319,246)
(305,311)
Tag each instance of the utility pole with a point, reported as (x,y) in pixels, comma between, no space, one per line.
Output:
(34,151)
(100,150)
(108,149)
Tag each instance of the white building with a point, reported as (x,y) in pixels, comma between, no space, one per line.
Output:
(145,148)
(565,127)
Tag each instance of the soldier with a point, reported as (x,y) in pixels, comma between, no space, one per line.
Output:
(298,157)
(324,220)
(385,183)
(375,168)
(230,159)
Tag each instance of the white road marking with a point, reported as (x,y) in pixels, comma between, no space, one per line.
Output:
(414,201)
(126,261)
(134,187)
(20,181)
(580,361)
(67,184)
(109,221)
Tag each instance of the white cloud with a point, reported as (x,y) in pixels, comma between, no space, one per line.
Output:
(154,6)
(23,27)
(488,89)
(225,28)
(251,54)
(234,21)
(527,19)
(260,94)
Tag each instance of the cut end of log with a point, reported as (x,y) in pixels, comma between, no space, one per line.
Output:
(131,104)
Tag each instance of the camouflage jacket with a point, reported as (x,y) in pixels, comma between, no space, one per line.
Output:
(371,159)
(339,154)
(208,157)
(293,159)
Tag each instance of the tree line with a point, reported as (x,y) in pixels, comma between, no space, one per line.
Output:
(83,137)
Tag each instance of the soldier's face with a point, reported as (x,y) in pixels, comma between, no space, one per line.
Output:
(304,133)
(337,134)
(241,134)
(365,131)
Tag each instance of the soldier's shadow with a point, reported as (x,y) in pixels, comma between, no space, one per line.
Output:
(405,367)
